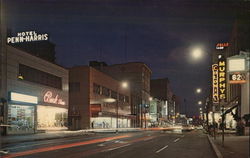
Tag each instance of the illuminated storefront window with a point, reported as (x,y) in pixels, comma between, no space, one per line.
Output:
(109,122)
(21,119)
(51,117)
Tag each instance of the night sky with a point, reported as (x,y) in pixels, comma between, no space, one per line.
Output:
(160,33)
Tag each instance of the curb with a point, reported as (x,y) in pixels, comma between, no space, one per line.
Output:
(215,148)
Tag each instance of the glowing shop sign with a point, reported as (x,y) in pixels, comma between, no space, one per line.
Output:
(215,83)
(221,45)
(27,36)
(48,98)
(222,79)
(18,97)
(237,78)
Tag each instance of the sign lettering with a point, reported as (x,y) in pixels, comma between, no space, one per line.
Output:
(237,78)
(215,83)
(222,45)
(48,98)
(222,79)
(28,36)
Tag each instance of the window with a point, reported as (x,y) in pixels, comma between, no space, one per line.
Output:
(126,99)
(33,75)
(74,86)
(96,88)
(113,94)
(121,97)
(105,91)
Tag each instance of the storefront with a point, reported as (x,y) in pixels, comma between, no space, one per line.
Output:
(37,94)
(27,115)
(21,113)
(110,122)
(51,118)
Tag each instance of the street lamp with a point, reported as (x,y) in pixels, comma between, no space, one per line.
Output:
(196,53)
(146,110)
(123,85)
(199,102)
(198,90)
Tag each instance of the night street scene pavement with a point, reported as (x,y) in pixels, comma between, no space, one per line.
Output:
(124,78)
(136,144)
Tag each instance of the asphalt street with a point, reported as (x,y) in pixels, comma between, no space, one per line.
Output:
(146,144)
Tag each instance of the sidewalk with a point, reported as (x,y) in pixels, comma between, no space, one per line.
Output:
(234,146)
(59,134)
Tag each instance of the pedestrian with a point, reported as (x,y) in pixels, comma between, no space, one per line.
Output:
(92,124)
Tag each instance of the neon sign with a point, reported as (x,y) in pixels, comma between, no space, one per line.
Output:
(215,83)
(222,79)
(221,45)
(27,36)
(48,98)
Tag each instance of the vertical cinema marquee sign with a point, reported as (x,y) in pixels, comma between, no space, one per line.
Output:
(215,83)
(222,79)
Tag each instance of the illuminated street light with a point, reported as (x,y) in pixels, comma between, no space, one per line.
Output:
(124,84)
(197,53)
(199,102)
(198,90)
(150,98)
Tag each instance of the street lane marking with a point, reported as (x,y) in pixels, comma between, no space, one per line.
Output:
(57,147)
(176,140)
(101,145)
(183,136)
(118,147)
(161,149)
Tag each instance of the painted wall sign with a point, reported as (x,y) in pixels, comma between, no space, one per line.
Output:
(215,83)
(237,78)
(48,98)
(222,79)
(222,45)
(27,36)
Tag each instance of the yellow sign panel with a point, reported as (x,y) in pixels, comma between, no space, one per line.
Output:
(215,83)
(222,79)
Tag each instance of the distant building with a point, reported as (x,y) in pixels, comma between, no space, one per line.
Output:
(93,100)
(138,75)
(157,113)
(160,89)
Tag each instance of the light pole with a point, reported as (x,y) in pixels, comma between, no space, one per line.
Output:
(150,99)
(123,85)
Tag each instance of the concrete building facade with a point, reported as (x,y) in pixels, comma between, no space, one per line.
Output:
(37,94)
(138,75)
(97,100)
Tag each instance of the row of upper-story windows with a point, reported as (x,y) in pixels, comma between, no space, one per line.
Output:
(30,74)
(101,90)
